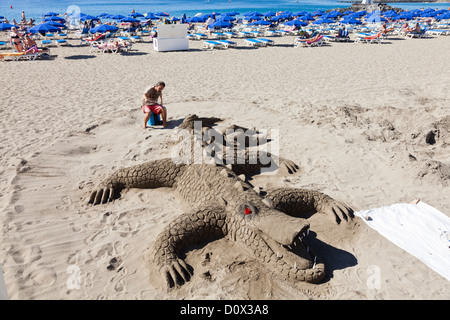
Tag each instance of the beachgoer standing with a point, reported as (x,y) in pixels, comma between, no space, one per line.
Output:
(150,103)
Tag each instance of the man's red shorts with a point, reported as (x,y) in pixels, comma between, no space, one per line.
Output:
(155,108)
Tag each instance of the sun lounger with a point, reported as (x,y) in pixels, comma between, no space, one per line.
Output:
(16,56)
(421,34)
(254,43)
(267,41)
(368,38)
(218,35)
(316,42)
(244,34)
(200,36)
(227,43)
(211,45)
(3,45)
(136,39)
(61,42)
(47,43)
(438,32)
(230,34)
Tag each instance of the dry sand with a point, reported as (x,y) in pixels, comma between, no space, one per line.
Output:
(355,117)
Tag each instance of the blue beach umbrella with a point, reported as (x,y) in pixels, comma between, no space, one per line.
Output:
(104,28)
(252,13)
(275,19)
(56,24)
(162,14)
(318,12)
(253,17)
(151,15)
(269,14)
(260,23)
(48,14)
(350,20)
(296,23)
(226,18)
(88,17)
(195,20)
(406,16)
(220,25)
(443,16)
(323,21)
(6,26)
(43,28)
(129,19)
(306,18)
(103,15)
(375,18)
(136,15)
(117,17)
(54,18)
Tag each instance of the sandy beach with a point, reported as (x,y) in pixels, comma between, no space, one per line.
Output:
(356,118)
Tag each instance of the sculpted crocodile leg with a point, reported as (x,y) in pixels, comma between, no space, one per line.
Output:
(296,202)
(153,174)
(205,224)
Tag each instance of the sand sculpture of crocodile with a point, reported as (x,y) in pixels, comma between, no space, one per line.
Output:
(270,227)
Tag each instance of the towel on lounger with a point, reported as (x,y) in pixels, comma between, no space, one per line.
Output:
(420,229)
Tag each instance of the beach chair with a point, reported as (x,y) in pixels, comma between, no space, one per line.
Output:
(343,36)
(227,43)
(316,42)
(200,36)
(438,32)
(83,32)
(95,46)
(211,45)
(218,35)
(244,34)
(254,43)
(230,34)
(16,56)
(61,42)
(136,39)
(124,44)
(98,38)
(421,34)
(3,45)
(46,43)
(49,36)
(268,42)
(62,35)
(368,37)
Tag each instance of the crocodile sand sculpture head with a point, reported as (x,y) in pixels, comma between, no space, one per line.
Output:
(271,227)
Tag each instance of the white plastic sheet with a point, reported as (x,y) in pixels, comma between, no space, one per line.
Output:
(420,229)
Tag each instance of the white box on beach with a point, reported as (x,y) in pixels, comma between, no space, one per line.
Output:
(171,37)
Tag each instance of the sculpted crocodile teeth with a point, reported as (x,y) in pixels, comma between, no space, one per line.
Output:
(295,254)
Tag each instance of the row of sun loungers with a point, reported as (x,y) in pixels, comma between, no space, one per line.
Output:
(225,44)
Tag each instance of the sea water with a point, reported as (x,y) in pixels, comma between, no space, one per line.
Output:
(12,9)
